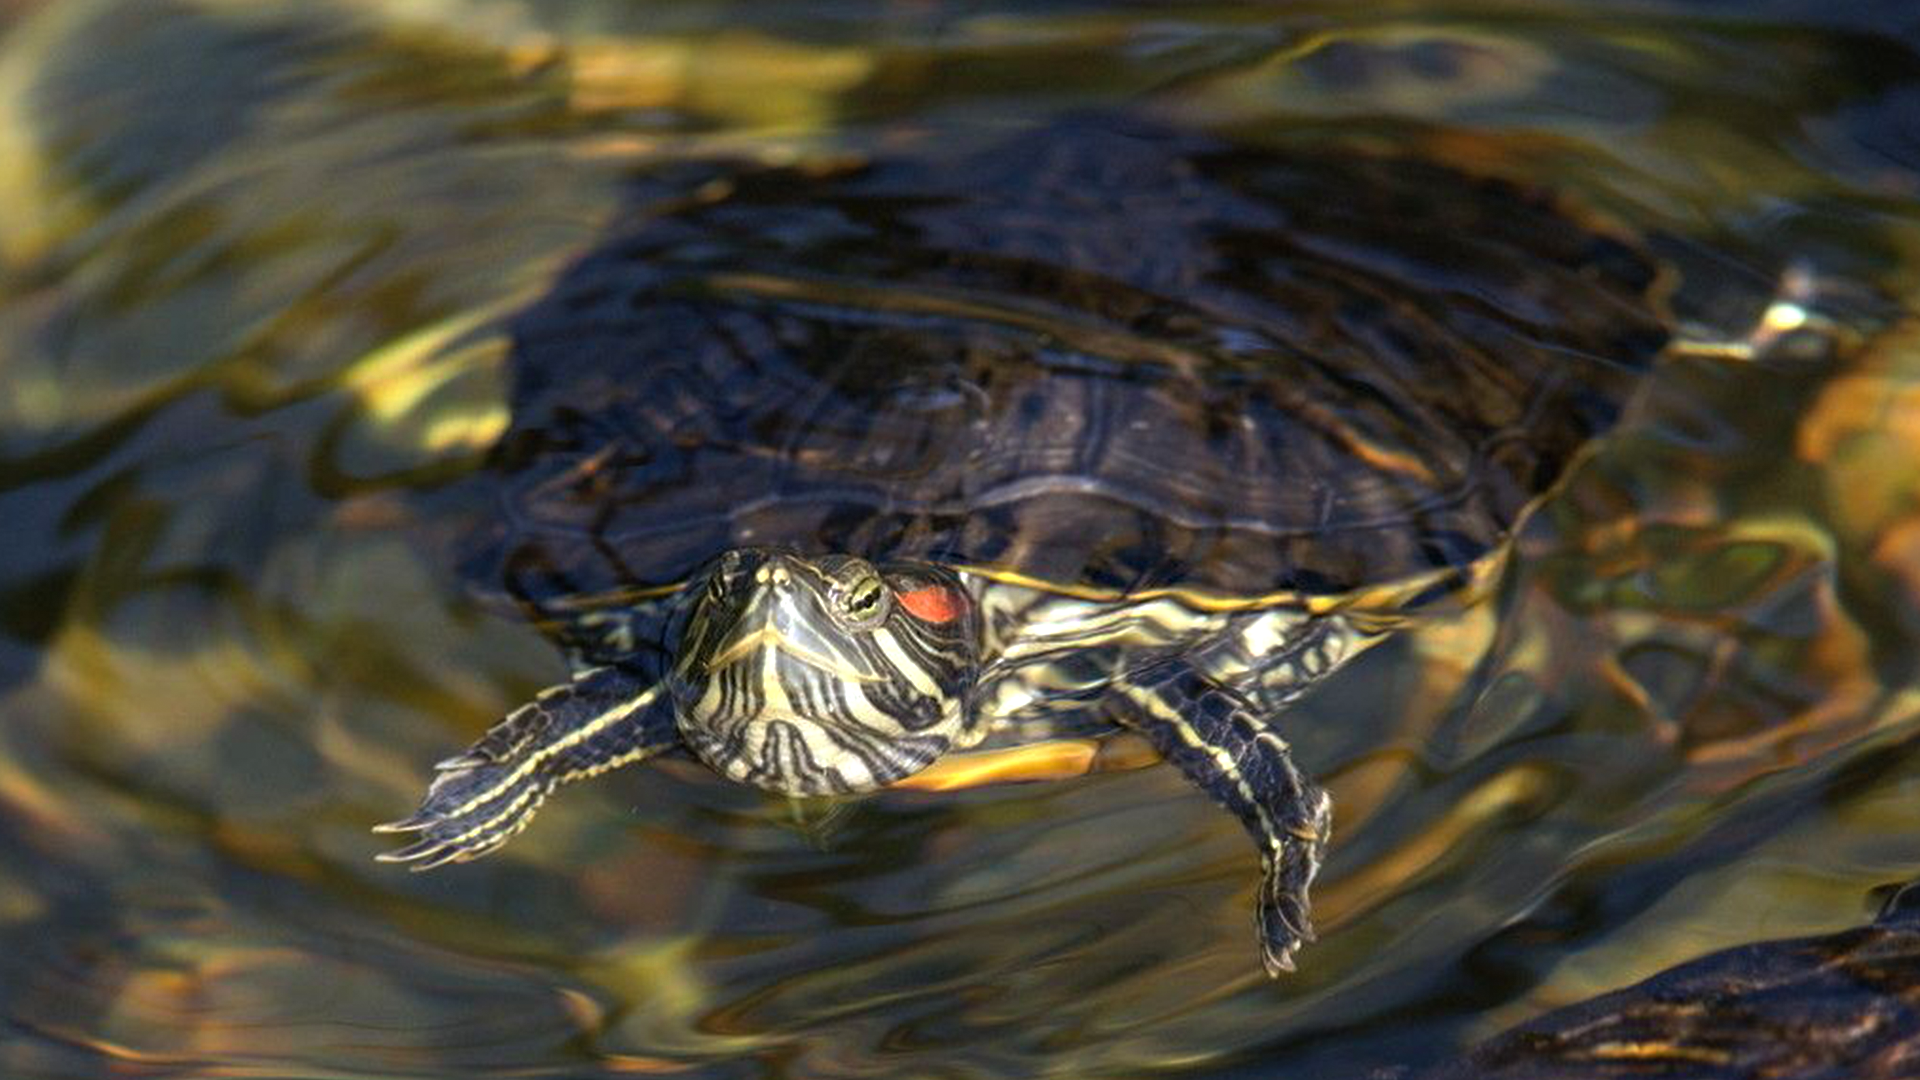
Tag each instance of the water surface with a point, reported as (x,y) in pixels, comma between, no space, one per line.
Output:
(258,268)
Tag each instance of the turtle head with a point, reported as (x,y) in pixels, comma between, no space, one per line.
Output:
(818,675)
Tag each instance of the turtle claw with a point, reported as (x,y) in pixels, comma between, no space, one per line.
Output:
(411,823)
(412,852)
(450,854)
(431,852)
(468,760)
(434,851)
(1278,963)
(442,846)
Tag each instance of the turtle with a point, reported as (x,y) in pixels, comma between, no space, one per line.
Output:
(827,472)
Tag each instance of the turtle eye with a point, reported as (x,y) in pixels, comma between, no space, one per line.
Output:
(864,599)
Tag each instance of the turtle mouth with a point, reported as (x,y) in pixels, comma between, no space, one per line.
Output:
(748,643)
(782,617)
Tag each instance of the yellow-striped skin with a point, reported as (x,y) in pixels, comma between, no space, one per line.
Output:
(809,675)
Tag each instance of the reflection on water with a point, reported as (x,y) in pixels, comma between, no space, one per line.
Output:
(257,268)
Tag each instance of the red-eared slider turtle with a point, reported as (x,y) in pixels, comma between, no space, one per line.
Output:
(1102,423)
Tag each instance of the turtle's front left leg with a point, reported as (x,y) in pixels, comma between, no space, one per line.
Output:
(606,717)
(1215,736)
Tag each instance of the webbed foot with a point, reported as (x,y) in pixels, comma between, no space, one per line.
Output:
(469,810)
(1283,914)
(1214,735)
(480,798)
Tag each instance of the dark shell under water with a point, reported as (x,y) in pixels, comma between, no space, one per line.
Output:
(1100,353)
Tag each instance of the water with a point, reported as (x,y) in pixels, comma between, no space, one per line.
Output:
(257,262)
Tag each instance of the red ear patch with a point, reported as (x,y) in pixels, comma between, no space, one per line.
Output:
(934,603)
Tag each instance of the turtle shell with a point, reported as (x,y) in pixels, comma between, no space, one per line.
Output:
(1101,353)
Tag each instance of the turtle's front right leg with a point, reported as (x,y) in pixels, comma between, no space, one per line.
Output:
(606,717)
(1218,738)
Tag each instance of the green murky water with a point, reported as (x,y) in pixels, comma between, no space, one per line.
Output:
(256,261)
